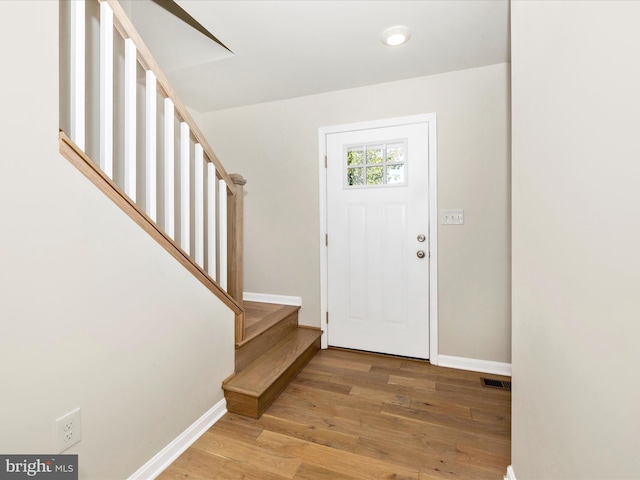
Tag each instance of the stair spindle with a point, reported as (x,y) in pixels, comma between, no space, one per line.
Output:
(169,172)
(199,205)
(150,143)
(185,193)
(130,126)
(212,243)
(106,89)
(78,75)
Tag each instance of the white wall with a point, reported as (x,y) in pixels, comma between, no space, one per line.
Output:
(576,233)
(275,146)
(94,314)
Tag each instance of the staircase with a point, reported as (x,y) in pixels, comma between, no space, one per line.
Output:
(184,198)
(273,352)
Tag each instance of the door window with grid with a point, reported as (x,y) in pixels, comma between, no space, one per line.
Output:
(377,164)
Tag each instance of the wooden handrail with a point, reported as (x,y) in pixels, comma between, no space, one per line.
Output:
(127,30)
(89,169)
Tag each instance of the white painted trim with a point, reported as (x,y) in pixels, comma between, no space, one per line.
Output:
(198,173)
(212,243)
(474,365)
(223,239)
(430,119)
(77,72)
(151,156)
(169,172)
(185,184)
(130,122)
(510,473)
(433,240)
(268,298)
(324,288)
(106,89)
(171,452)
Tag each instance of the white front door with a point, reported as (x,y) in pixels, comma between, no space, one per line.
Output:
(378,232)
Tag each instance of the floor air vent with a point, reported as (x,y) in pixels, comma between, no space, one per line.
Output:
(502,385)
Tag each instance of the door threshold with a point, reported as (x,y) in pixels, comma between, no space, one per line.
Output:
(388,355)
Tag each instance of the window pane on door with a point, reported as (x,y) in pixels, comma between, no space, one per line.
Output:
(374,176)
(355,156)
(355,176)
(375,154)
(395,174)
(395,152)
(376,164)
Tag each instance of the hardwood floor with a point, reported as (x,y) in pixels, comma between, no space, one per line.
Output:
(351,415)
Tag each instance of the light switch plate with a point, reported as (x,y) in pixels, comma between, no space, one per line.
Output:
(453,217)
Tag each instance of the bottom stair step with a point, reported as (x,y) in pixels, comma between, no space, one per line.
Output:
(255,388)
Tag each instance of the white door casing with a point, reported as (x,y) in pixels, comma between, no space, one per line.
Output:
(377,291)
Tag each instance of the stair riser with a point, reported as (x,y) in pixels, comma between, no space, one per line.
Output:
(248,352)
(241,404)
(254,407)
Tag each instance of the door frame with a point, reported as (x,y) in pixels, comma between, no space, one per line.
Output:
(430,120)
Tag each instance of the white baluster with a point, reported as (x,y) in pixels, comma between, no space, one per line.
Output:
(130,65)
(185,196)
(106,89)
(222,205)
(199,205)
(169,180)
(77,63)
(150,138)
(211,221)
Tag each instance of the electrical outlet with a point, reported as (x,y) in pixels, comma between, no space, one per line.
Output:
(67,430)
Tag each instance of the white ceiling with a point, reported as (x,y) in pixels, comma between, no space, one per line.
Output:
(290,48)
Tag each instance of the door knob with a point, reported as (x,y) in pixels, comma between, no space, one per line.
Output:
(420,254)
(421,238)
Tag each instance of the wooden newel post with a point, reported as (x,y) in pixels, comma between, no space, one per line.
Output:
(235,251)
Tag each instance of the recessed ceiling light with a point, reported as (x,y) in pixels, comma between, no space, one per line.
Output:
(394,36)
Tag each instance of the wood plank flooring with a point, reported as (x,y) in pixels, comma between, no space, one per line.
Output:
(351,415)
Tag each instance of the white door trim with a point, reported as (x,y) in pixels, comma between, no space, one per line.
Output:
(430,119)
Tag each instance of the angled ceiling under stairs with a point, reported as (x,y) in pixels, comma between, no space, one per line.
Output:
(291,48)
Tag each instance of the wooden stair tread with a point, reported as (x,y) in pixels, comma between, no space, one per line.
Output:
(258,376)
(260,317)
(274,350)
(255,311)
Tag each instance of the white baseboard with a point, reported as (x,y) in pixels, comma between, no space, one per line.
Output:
(510,474)
(484,366)
(168,454)
(267,298)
